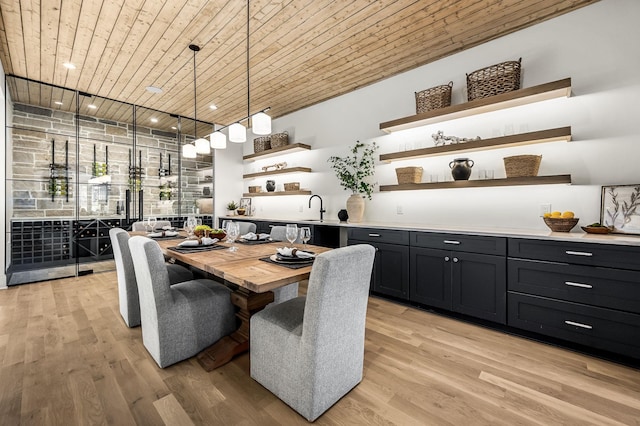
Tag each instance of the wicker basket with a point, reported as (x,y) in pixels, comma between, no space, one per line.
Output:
(409,175)
(522,165)
(261,144)
(434,98)
(255,189)
(560,224)
(279,140)
(292,186)
(500,78)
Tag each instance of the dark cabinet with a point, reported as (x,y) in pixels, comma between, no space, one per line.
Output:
(469,283)
(391,267)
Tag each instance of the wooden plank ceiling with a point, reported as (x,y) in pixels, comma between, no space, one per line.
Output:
(301,51)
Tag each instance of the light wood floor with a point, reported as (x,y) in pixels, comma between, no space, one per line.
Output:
(66,358)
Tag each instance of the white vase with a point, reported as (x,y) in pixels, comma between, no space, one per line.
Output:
(355,208)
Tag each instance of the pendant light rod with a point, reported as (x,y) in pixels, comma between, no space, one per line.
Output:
(195,48)
(243,119)
(248,79)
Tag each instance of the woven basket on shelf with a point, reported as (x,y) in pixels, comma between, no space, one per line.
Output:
(409,175)
(434,98)
(560,224)
(255,189)
(279,140)
(500,78)
(522,165)
(261,144)
(292,186)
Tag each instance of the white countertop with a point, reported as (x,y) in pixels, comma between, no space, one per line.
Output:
(577,236)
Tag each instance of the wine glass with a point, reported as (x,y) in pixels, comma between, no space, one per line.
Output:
(305,234)
(233,231)
(291,233)
(190,224)
(152,221)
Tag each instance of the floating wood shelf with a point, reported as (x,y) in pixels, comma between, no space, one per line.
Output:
(278,172)
(288,149)
(551,135)
(543,92)
(533,180)
(275,193)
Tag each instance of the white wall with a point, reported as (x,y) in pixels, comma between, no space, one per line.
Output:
(596,46)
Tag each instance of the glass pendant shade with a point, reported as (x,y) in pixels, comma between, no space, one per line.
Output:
(218,140)
(202,146)
(261,124)
(237,133)
(189,151)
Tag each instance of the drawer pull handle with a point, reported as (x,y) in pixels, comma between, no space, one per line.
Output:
(455,260)
(579,253)
(572,284)
(578,324)
(452,242)
(446,258)
(374,235)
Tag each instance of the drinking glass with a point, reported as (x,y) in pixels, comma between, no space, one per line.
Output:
(305,234)
(190,225)
(225,224)
(233,231)
(152,220)
(291,232)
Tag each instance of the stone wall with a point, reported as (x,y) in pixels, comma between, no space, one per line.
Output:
(31,134)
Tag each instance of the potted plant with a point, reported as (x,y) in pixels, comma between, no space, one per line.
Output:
(231,207)
(352,172)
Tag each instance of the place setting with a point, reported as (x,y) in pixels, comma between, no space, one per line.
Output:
(167,232)
(253,238)
(196,241)
(292,257)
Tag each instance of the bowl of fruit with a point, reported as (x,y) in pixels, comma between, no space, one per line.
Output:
(217,233)
(560,221)
(201,230)
(596,228)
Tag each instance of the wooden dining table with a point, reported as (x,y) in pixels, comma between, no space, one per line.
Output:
(252,281)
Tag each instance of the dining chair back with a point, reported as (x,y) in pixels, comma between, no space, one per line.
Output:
(143,226)
(279,233)
(127,284)
(309,351)
(246,227)
(179,320)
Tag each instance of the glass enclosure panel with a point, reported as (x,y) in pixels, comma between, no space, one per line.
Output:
(196,173)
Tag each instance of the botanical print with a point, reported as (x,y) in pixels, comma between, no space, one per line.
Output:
(621,208)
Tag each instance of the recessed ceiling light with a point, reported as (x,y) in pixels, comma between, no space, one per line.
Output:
(174,128)
(58,103)
(154,120)
(92,106)
(154,89)
(69,66)
(213,107)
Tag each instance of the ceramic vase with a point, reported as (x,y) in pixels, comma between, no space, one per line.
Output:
(343,215)
(355,208)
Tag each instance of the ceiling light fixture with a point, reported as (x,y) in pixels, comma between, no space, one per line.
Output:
(200,145)
(154,89)
(213,107)
(58,103)
(153,120)
(92,106)
(69,66)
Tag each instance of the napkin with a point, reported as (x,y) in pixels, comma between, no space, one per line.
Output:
(253,237)
(204,241)
(162,234)
(293,252)
(167,228)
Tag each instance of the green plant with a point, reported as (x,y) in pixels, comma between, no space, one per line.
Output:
(232,205)
(353,170)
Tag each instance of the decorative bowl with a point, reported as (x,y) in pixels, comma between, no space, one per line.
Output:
(218,235)
(559,224)
(241,212)
(596,229)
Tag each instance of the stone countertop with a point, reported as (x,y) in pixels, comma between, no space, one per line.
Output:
(577,236)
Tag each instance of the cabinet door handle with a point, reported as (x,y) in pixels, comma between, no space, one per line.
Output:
(446,258)
(579,253)
(374,235)
(452,242)
(572,284)
(578,324)
(455,260)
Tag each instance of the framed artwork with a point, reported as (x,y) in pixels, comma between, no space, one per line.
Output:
(245,203)
(620,209)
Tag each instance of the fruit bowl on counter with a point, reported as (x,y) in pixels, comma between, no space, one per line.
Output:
(560,222)
(596,228)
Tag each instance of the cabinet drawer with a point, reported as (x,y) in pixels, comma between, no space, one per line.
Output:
(614,256)
(390,236)
(605,287)
(600,328)
(459,242)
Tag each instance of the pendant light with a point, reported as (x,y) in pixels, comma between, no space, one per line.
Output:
(202,146)
(218,139)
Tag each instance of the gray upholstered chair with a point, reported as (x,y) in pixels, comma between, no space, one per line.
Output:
(127,285)
(310,352)
(246,227)
(179,320)
(279,233)
(142,225)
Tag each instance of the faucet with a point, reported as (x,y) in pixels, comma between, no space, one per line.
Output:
(321,209)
